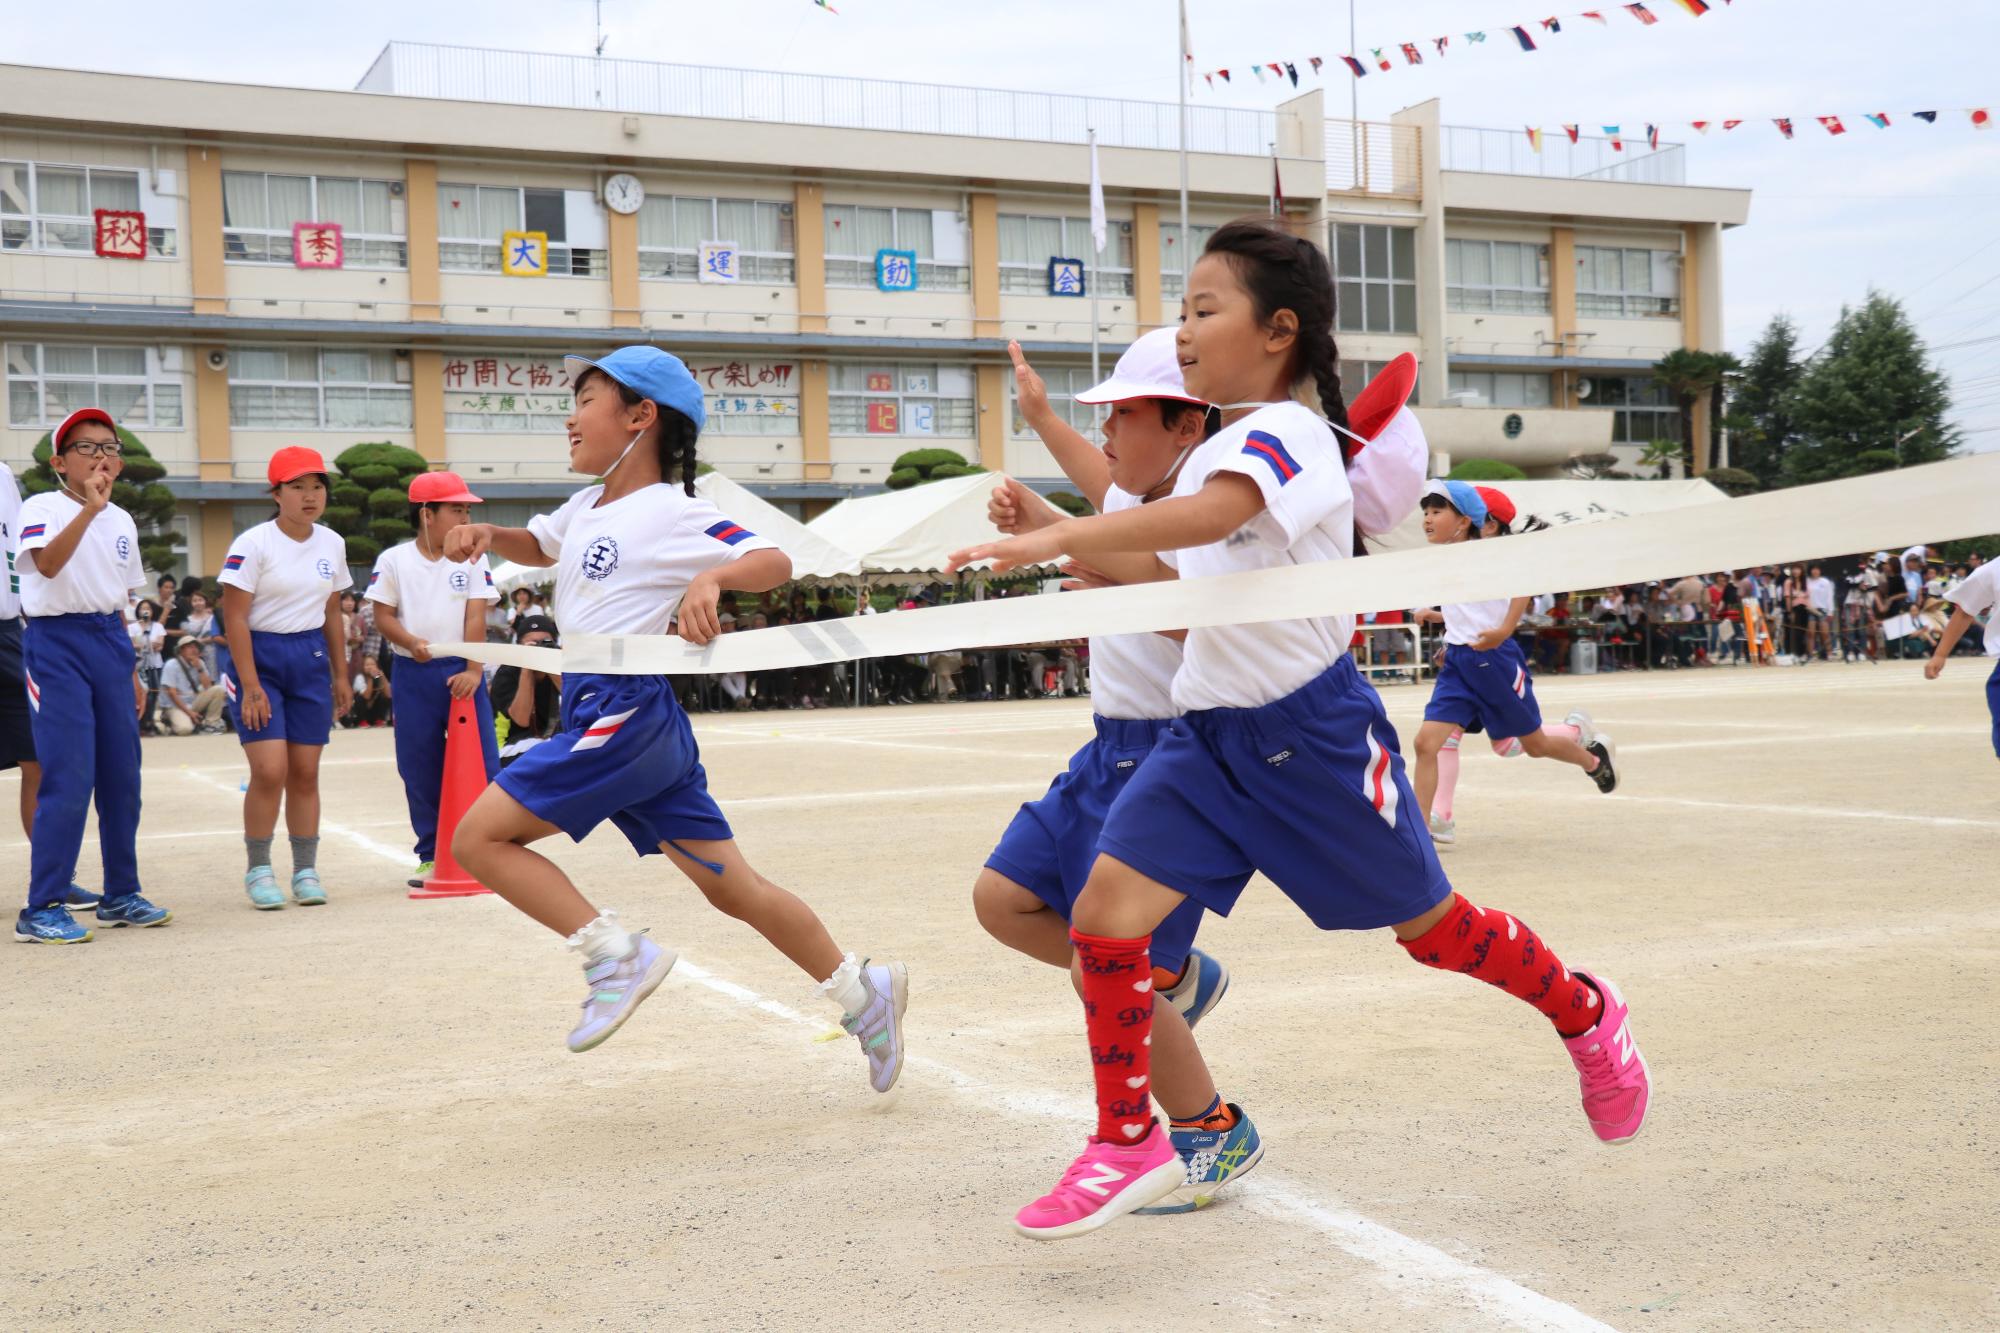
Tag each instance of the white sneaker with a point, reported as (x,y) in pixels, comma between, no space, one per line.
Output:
(1586,730)
(1444,830)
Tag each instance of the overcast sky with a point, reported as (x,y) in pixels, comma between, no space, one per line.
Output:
(1908,210)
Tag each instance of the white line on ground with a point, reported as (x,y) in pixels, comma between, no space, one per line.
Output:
(1809,737)
(1753,808)
(883,794)
(353,835)
(209,833)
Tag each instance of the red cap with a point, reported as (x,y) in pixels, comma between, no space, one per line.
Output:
(1497,504)
(1371,410)
(441,488)
(292,462)
(77,418)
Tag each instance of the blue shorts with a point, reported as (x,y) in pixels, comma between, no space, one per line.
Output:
(625,753)
(1052,843)
(1993,704)
(1309,790)
(17,729)
(1488,691)
(293,672)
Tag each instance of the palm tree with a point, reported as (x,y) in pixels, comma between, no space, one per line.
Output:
(1686,374)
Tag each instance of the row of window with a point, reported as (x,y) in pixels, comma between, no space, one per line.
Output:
(52,208)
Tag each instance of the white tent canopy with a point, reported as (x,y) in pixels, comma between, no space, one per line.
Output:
(1563,502)
(911,531)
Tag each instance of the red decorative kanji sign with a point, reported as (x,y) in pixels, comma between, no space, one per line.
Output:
(120,235)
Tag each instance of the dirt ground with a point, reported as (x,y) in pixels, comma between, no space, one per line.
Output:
(362,1116)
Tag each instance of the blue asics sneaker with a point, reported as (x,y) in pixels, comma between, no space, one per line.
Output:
(616,988)
(1214,1158)
(80,898)
(131,910)
(49,925)
(261,883)
(306,891)
(1200,988)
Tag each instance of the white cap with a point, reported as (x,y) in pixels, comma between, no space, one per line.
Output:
(1150,368)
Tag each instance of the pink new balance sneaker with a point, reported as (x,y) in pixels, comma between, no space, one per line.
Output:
(1616,1085)
(1107,1182)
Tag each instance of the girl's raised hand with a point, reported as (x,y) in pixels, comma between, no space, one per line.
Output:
(1029,391)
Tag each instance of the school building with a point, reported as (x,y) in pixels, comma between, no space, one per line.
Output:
(230,268)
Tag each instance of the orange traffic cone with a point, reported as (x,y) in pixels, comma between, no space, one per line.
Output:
(464,779)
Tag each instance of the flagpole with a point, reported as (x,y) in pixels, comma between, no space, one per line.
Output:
(1185,57)
(1096,377)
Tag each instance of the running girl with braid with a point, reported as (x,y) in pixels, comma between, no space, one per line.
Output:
(1283,760)
(631,553)
(1483,682)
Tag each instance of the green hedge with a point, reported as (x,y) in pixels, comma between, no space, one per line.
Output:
(404,462)
(943,470)
(923,460)
(1487,469)
(902,479)
(390,531)
(361,551)
(388,502)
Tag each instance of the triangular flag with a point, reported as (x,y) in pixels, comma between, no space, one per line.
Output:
(1276,69)
(1521,36)
(1729,125)
(1258,70)
(1617,143)
(1441,43)
(1225,75)
(1475,37)
(1981,119)
(1879,119)
(1381,60)
(1928,117)
(1832,124)
(1360,70)
(1553,25)
(1534,138)
(1571,131)
(1315,62)
(1700,126)
(1210,78)
(1694,7)
(1784,127)
(1641,13)
(1292,73)
(1653,137)
(1411,55)
(1594,16)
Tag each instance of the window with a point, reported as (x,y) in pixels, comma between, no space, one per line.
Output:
(1627,284)
(905,399)
(472,219)
(259,208)
(672,228)
(1170,254)
(48,381)
(1063,385)
(52,208)
(1375,273)
(855,232)
(1027,244)
(306,388)
(1643,410)
(1507,277)
(1354,377)
(1503,388)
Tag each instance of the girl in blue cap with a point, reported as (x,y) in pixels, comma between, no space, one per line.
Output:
(1483,682)
(631,553)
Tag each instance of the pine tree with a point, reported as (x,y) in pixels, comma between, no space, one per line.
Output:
(1762,403)
(1871,401)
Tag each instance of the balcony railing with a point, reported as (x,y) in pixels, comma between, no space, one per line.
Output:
(1508,152)
(461,73)
(1374,157)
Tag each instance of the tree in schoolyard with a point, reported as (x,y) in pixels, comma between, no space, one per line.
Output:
(921,465)
(138,491)
(1871,401)
(1762,430)
(370,503)
(1686,374)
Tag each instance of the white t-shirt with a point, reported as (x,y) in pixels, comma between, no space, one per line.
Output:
(1308,516)
(148,638)
(288,580)
(101,572)
(1132,675)
(1819,594)
(1466,621)
(429,595)
(1977,593)
(621,568)
(10,527)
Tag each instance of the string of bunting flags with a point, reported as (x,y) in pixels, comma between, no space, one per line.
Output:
(1979,117)
(1526,36)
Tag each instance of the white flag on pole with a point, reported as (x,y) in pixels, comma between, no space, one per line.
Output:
(1097,222)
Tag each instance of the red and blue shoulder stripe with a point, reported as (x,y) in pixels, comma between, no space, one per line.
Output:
(33,530)
(729,533)
(1268,447)
(233,562)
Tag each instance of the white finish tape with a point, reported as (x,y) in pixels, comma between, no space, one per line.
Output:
(1938,502)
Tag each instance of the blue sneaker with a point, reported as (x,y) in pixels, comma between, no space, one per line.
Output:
(306,891)
(49,925)
(262,886)
(81,898)
(1215,1159)
(616,989)
(1200,988)
(131,910)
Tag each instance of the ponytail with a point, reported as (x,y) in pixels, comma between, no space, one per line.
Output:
(677,440)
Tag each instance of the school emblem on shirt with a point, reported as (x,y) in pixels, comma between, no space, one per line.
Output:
(124,546)
(460,580)
(600,559)
(325,568)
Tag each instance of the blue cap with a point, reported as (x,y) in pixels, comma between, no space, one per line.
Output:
(650,373)
(1462,496)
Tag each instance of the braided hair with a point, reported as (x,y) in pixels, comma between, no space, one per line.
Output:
(1282,271)
(677,432)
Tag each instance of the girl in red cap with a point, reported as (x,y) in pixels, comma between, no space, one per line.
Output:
(281,586)
(422,598)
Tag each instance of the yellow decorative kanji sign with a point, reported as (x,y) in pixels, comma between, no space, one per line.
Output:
(524,254)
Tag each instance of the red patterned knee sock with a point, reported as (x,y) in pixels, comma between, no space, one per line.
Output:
(1118,1012)
(1502,951)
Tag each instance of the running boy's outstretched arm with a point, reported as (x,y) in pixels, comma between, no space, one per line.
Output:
(755,571)
(1961,621)
(1225,503)
(469,541)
